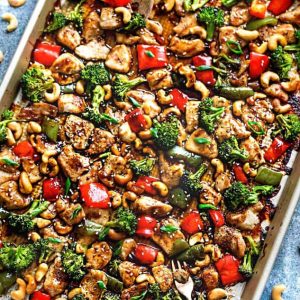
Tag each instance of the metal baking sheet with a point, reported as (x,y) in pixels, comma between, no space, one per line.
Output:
(287,198)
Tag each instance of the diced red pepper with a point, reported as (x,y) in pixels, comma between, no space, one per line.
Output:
(150,57)
(24,150)
(179,99)
(258,9)
(207,77)
(278,7)
(160,39)
(145,226)
(145,182)
(228,268)
(240,174)
(38,295)
(1,244)
(52,188)
(258,64)
(117,3)
(192,223)
(217,217)
(95,195)
(145,254)
(46,54)
(136,120)
(277,148)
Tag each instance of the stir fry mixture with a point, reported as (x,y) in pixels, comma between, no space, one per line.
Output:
(142,141)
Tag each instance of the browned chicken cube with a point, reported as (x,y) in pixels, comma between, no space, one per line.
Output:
(102,140)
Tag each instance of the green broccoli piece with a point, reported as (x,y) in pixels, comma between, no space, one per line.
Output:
(113,267)
(35,82)
(281,62)
(209,115)
(58,21)
(289,126)
(297,57)
(121,85)
(213,17)
(110,296)
(193,5)
(294,47)
(79,297)
(229,3)
(154,291)
(136,22)
(190,182)
(76,15)
(123,219)
(17,258)
(229,151)
(165,134)
(73,264)
(171,295)
(6,118)
(44,249)
(142,167)
(7,115)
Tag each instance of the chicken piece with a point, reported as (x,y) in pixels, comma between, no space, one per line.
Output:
(72,213)
(10,197)
(186,48)
(109,19)
(208,195)
(37,111)
(134,290)
(170,172)
(91,27)
(186,22)
(5,176)
(97,215)
(221,102)
(119,59)
(127,39)
(56,281)
(230,239)
(102,140)
(148,205)
(68,36)
(255,153)
(239,14)
(129,272)
(93,50)
(72,163)
(146,37)
(49,232)
(166,240)
(287,30)
(67,64)
(7,153)
(70,103)
(98,256)
(227,33)
(89,284)
(92,174)
(127,247)
(163,276)
(246,219)
(291,16)
(192,116)
(210,278)
(32,169)
(78,131)
(223,182)
(159,79)
(229,126)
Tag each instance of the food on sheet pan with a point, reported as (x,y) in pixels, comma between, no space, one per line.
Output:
(145,144)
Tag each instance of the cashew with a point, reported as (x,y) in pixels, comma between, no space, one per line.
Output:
(200,31)
(42,223)
(163,99)
(188,73)
(41,272)
(116,199)
(268,76)
(145,134)
(79,88)
(145,277)
(219,166)
(217,294)
(200,87)
(16,129)
(196,238)
(1,56)
(259,49)
(47,154)
(148,121)
(292,85)
(13,21)
(161,188)
(203,263)
(10,140)
(31,285)
(122,179)
(275,90)
(149,151)
(116,236)
(74,292)
(170,110)
(277,291)
(126,134)
(237,108)
(108,92)
(61,228)
(125,12)
(34,236)
(214,251)
(131,196)
(248,170)
(51,167)
(160,260)
(25,184)
(20,293)
(154,26)
(16,3)
(138,145)
(34,127)
(169,4)
(247,35)
(54,95)
(275,39)
(281,109)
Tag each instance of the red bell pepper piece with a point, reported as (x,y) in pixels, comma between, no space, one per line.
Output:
(46,54)
(258,9)
(1,244)
(24,150)
(277,148)
(145,182)
(258,64)
(95,195)
(217,217)
(192,223)
(145,254)
(150,57)
(278,7)
(179,99)
(145,226)
(207,77)
(117,3)
(52,188)
(240,174)
(136,120)
(38,295)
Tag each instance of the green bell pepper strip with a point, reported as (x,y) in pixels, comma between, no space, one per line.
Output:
(190,158)
(235,93)
(207,206)
(256,24)
(113,284)
(268,176)
(179,246)
(90,228)
(50,128)
(179,198)
(7,279)
(192,254)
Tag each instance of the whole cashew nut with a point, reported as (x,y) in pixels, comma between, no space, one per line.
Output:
(41,272)
(275,90)
(276,39)
(259,49)
(13,21)
(10,139)
(217,294)
(200,31)
(237,107)
(292,85)
(160,260)
(204,262)
(188,73)
(200,87)
(162,97)
(169,4)
(25,184)
(122,179)
(74,292)
(53,97)
(219,166)
(131,196)
(16,3)
(277,291)
(145,277)
(34,127)
(170,110)
(47,154)
(125,12)
(108,91)
(247,35)
(268,76)
(31,284)
(154,26)
(116,236)
(161,188)
(61,228)
(20,293)
(282,109)
(16,129)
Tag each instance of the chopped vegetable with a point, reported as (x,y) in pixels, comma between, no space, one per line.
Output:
(168,228)
(179,246)
(239,174)
(268,176)
(116,3)
(258,9)
(192,223)
(179,198)
(136,120)
(253,125)
(294,47)
(193,5)
(58,21)
(235,93)
(38,295)
(136,22)
(217,217)
(142,167)
(206,76)
(145,182)
(192,254)
(179,99)
(276,150)
(145,254)
(258,64)
(281,62)
(95,195)
(289,126)
(76,15)
(46,54)
(182,154)
(278,7)
(256,24)
(145,226)
(50,127)
(151,56)
(234,47)
(24,150)
(52,188)
(229,3)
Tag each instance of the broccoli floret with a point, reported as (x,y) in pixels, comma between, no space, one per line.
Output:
(123,219)
(294,47)
(110,296)
(297,56)
(76,15)
(190,182)
(154,291)
(142,167)
(209,115)
(136,22)
(113,267)
(6,118)
(171,295)
(229,3)
(192,5)
(44,249)
(165,134)
(213,17)
(58,21)
(289,126)
(17,258)
(229,150)
(121,85)
(73,264)
(281,62)
(35,82)
(7,115)
(79,297)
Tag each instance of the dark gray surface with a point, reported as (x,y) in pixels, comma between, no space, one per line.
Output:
(287,265)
